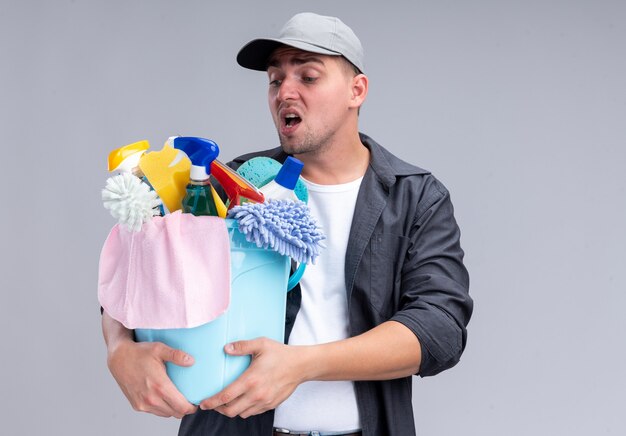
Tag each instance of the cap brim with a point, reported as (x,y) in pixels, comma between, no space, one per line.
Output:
(255,54)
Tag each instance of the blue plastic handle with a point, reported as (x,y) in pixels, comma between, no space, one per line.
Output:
(200,151)
(296,276)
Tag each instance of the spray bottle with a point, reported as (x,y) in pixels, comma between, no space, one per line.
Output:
(200,194)
(281,188)
(236,187)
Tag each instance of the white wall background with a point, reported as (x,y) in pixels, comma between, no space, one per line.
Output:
(519,107)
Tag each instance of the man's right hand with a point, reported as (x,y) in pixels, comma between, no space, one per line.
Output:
(139,369)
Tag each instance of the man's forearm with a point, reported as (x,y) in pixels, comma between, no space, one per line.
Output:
(139,369)
(114,331)
(388,351)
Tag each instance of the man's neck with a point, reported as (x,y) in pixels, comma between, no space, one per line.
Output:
(339,163)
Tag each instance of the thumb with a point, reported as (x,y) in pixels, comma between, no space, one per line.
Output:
(241,348)
(177,357)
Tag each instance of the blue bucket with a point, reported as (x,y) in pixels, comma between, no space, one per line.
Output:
(259,285)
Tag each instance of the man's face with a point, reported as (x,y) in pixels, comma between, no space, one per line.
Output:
(309,99)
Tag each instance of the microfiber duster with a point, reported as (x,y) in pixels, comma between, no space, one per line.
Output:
(281,225)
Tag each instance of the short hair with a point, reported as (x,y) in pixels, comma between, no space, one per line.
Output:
(350,67)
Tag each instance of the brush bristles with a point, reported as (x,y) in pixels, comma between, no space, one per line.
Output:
(130,200)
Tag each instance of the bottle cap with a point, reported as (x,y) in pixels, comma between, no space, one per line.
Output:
(288,174)
(125,158)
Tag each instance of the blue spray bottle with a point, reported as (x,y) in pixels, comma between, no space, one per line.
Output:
(199,199)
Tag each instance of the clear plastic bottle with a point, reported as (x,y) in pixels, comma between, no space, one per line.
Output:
(281,188)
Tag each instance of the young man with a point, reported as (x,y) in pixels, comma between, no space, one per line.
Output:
(388,297)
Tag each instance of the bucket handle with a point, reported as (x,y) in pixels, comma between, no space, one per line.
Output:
(296,276)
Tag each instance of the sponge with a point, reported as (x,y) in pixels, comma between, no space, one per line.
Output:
(261,170)
(168,173)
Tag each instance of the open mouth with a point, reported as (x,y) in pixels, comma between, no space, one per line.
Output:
(292,120)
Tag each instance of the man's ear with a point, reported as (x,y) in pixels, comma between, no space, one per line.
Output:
(359,90)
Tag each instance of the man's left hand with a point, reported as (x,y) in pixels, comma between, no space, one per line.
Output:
(273,375)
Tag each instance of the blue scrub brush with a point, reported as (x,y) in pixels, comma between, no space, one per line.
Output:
(130,200)
(281,225)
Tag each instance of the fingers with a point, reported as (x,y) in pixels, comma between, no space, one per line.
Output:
(243,406)
(227,396)
(177,403)
(172,400)
(177,357)
(254,410)
(251,402)
(140,371)
(231,409)
(243,348)
(255,391)
(156,406)
(161,398)
(239,348)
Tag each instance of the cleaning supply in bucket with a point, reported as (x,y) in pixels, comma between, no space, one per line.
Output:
(281,188)
(260,282)
(127,195)
(235,186)
(167,172)
(130,200)
(284,226)
(126,159)
(199,199)
(174,273)
(219,204)
(283,223)
(197,282)
(261,170)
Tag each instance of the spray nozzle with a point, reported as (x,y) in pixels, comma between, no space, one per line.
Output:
(202,152)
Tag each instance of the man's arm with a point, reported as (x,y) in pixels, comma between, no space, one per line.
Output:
(385,352)
(139,369)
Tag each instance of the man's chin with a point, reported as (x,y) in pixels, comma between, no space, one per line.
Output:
(290,146)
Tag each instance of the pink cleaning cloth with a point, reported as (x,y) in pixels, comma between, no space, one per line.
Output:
(174,273)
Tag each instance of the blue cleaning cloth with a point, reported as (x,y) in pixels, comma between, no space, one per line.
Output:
(281,225)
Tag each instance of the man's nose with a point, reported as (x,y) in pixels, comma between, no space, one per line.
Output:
(288,90)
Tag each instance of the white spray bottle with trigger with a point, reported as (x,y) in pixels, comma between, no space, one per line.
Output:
(281,188)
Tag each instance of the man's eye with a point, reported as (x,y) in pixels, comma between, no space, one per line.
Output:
(309,79)
(275,83)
